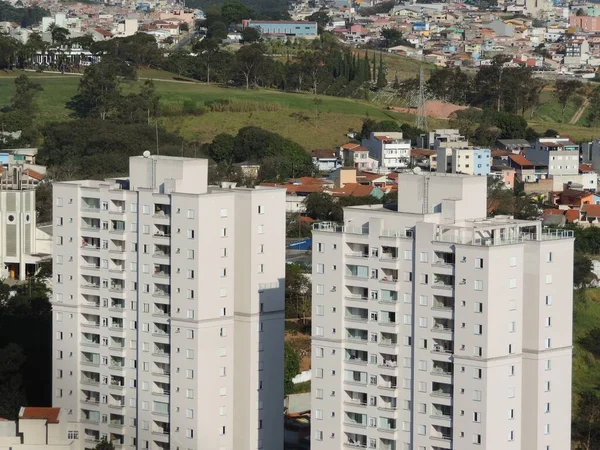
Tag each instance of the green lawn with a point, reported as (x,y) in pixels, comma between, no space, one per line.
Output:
(551,111)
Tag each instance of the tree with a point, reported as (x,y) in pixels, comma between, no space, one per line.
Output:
(297,291)
(43,203)
(250,34)
(221,148)
(583,274)
(25,94)
(104,444)
(99,91)
(291,368)
(322,19)
(564,91)
(217,30)
(381,80)
(392,37)
(234,11)
(248,59)
(59,35)
(208,50)
(12,396)
(580,12)
(318,206)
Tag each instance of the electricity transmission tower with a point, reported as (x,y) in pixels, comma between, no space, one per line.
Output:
(421,119)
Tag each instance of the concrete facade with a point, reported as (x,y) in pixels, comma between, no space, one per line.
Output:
(389,149)
(437,328)
(560,155)
(168,309)
(469,161)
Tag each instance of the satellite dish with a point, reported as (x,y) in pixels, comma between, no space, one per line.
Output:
(146,154)
(417,170)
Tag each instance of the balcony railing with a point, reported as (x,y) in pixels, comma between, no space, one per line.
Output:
(356,297)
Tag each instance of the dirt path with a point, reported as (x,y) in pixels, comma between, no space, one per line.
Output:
(579,112)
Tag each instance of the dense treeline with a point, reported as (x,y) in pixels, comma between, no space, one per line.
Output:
(513,90)
(23,16)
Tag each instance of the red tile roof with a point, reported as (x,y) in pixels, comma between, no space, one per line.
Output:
(350,145)
(591,210)
(572,215)
(324,154)
(520,160)
(352,189)
(48,414)
(34,174)
(552,212)
(585,168)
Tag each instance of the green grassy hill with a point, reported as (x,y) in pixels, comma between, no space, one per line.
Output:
(292,115)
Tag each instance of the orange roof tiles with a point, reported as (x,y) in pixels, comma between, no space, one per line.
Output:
(591,210)
(49,414)
(34,174)
(585,168)
(520,160)
(572,215)
(352,189)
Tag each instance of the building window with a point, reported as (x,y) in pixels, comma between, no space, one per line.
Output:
(478,263)
(479,285)
(477,439)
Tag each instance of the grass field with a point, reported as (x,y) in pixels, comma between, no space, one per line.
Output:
(313,128)
(296,117)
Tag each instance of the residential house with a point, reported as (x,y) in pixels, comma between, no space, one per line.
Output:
(470,160)
(326,160)
(357,156)
(517,146)
(559,155)
(43,428)
(391,151)
(524,169)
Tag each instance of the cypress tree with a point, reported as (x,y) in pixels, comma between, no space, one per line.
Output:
(381,81)
(396,84)
(366,68)
(374,65)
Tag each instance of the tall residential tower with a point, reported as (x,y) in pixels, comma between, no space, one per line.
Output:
(168,309)
(436,328)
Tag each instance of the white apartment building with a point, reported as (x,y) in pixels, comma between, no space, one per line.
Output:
(436,328)
(389,149)
(168,309)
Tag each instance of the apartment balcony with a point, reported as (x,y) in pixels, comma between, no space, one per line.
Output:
(163,350)
(442,303)
(355,335)
(443,346)
(116,363)
(441,281)
(90,224)
(388,340)
(441,390)
(117,226)
(91,436)
(161,369)
(355,398)
(90,282)
(388,382)
(116,405)
(357,272)
(440,368)
(442,412)
(389,276)
(91,378)
(90,320)
(162,211)
(387,403)
(116,421)
(357,314)
(90,301)
(389,254)
(116,304)
(161,330)
(162,251)
(443,259)
(90,243)
(356,293)
(117,207)
(388,296)
(441,433)
(90,397)
(354,440)
(116,265)
(161,230)
(387,444)
(161,290)
(90,262)
(116,343)
(162,271)
(355,377)
(388,361)
(397,234)
(116,382)
(387,318)
(90,204)
(90,359)
(355,419)
(161,389)
(116,246)
(161,310)
(387,425)
(90,339)
(442,325)
(117,285)
(356,356)
(354,250)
